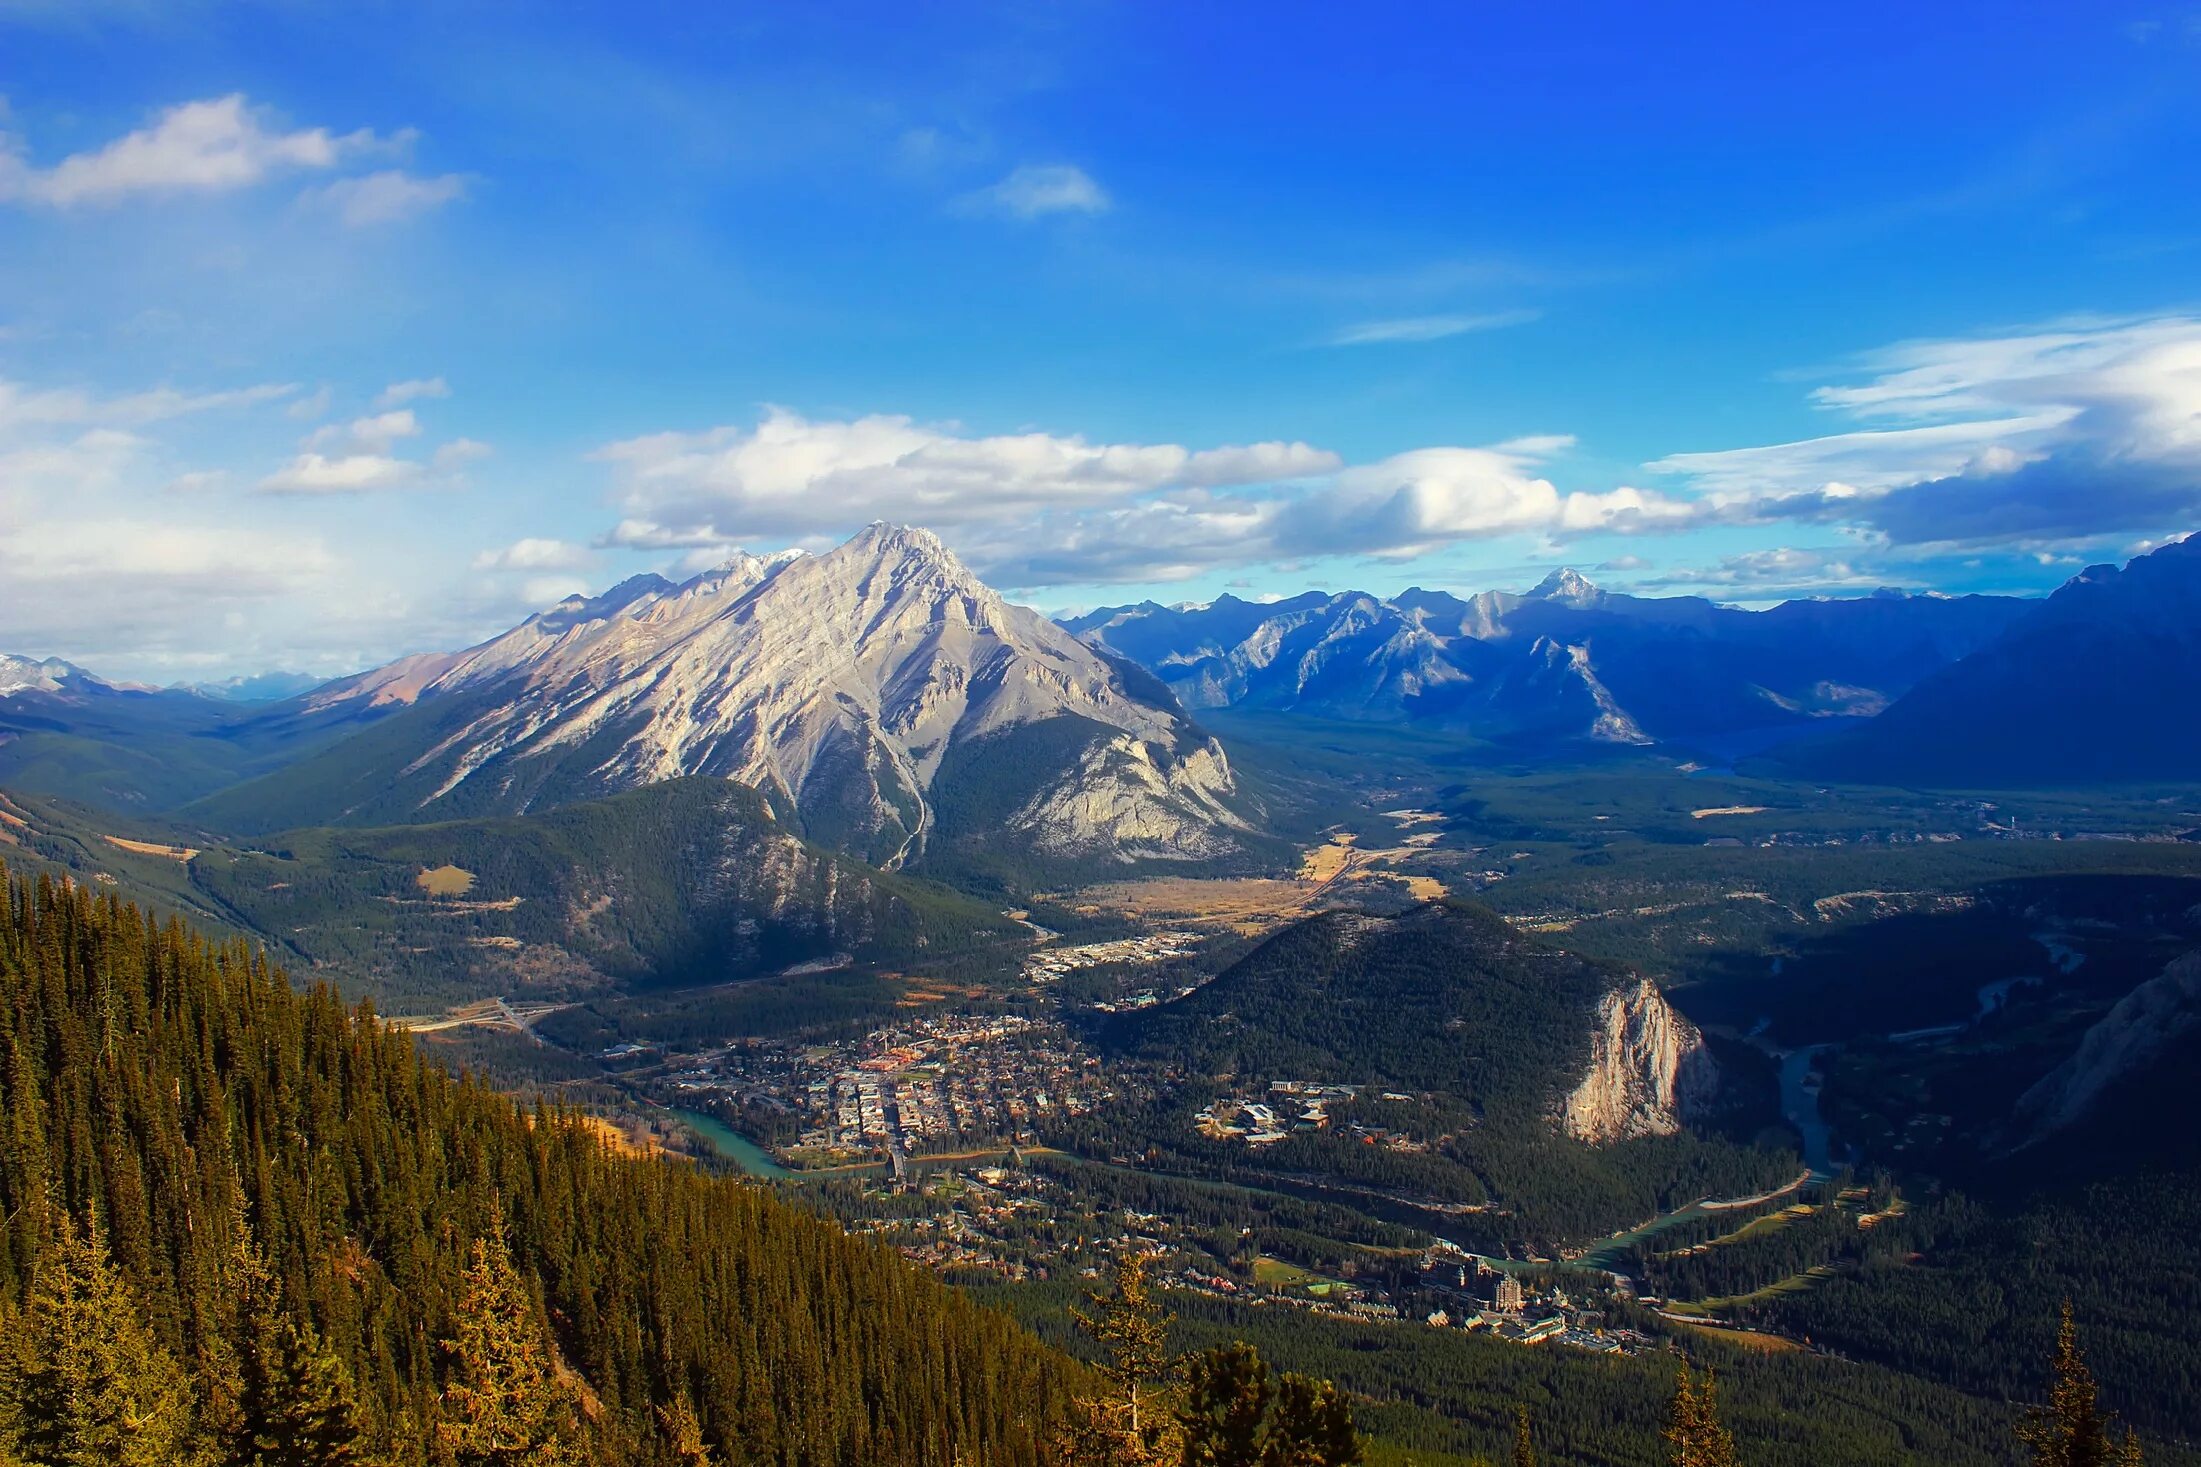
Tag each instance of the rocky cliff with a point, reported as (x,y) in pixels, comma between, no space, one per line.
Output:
(1649,1070)
(2145,1027)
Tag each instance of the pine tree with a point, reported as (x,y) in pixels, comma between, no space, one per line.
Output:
(1524,1446)
(1227,1399)
(684,1433)
(2070,1431)
(1694,1435)
(1312,1427)
(505,1405)
(1130,1425)
(83,1381)
(295,1403)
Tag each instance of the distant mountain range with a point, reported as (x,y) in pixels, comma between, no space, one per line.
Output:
(888,704)
(1566,660)
(2100,682)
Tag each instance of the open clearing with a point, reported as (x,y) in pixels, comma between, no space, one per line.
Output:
(1707,814)
(1250,906)
(445,881)
(148,848)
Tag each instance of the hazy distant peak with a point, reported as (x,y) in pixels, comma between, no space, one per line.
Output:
(1566,584)
(41,675)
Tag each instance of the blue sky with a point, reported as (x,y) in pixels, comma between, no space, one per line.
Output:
(329,332)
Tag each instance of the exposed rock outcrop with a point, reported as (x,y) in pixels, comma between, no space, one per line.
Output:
(1649,1070)
(2146,1025)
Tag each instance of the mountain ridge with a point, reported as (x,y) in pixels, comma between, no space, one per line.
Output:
(1566,659)
(837,684)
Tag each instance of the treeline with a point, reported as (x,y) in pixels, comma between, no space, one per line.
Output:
(183,1135)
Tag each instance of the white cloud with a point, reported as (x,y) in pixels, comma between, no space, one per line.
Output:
(1038,508)
(792,476)
(388,197)
(368,435)
(397,394)
(534,554)
(1038,189)
(458,453)
(306,409)
(218,145)
(2058,433)
(24,407)
(1863,462)
(1428,328)
(1432,496)
(352,473)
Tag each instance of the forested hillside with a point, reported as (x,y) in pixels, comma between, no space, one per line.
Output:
(683,883)
(272,1221)
(1464,1036)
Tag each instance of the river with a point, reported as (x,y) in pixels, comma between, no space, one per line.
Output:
(730,1145)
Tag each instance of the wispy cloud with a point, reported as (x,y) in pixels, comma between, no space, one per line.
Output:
(1039,189)
(388,197)
(534,553)
(213,146)
(350,473)
(1429,328)
(2059,433)
(397,394)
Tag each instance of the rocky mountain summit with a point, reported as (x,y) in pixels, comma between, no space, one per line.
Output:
(855,689)
(41,675)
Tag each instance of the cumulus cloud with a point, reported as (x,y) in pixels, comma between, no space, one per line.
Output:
(349,473)
(534,554)
(1428,328)
(368,435)
(1036,509)
(1038,189)
(792,476)
(1414,501)
(387,197)
(213,146)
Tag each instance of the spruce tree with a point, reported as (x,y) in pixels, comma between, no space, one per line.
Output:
(505,1405)
(1524,1446)
(684,1433)
(1312,1427)
(83,1381)
(295,1404)
(1694,1435)
(1130,1424)
(1227,1399)
(2071,1431)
